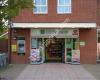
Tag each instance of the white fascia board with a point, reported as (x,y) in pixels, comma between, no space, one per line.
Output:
(54,25)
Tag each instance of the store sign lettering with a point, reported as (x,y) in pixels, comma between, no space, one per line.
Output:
(56,32)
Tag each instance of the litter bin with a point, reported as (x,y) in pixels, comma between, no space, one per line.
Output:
(3,61)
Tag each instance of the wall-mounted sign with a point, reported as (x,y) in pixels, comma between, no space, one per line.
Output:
(13,48)
(82,43)
(75,32)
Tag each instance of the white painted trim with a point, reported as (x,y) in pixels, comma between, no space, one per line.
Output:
(54,25)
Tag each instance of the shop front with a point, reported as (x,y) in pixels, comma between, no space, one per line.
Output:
(54,45)
(38,43)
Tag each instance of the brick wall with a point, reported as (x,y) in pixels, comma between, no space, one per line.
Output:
(98,14)
(3,45)
(89,51)
(82,11)
(15,58)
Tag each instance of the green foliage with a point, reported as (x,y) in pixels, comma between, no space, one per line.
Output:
(15,6)
(11,8)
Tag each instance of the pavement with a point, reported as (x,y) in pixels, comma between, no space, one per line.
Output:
(12,71)
(94,69)
(51,71)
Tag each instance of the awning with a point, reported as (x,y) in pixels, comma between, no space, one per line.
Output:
(54,25)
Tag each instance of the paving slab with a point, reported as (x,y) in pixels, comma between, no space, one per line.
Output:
(55,71)
(94,69)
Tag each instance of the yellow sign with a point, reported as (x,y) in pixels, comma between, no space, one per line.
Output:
(14,48)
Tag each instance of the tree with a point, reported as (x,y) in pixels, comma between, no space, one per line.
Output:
(11,8)
(8,10)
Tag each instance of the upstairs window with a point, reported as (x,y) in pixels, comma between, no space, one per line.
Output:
(41,7)
(64,6)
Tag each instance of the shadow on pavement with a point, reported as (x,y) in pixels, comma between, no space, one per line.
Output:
(94,69)
(12,71)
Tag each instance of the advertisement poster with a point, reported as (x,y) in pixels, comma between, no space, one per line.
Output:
(35,56)
(75,57)
(13,48)
(98,48)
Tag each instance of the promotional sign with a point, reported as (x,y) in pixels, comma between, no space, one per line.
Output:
(98,48)
(13,48)
(82,43)
(35,56)
(75,57)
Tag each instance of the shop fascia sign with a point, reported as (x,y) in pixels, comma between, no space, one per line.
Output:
(67,32)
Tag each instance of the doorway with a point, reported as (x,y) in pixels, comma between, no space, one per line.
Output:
(54,49)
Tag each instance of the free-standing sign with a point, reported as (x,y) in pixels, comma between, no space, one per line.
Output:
(35,56)
(75,56)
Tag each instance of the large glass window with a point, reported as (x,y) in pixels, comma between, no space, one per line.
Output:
(64,6)
(41,6)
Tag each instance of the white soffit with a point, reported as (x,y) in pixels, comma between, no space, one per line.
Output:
(54,25)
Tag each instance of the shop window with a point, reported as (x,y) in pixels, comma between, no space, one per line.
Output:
(42,31)
(34,43)
(75,44)
(21,45)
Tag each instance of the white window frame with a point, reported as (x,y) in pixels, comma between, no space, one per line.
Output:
(68,5)
(40,12)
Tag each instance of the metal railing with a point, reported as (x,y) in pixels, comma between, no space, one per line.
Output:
(3,60)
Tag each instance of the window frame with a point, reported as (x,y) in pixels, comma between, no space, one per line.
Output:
(40,5)
(68,5)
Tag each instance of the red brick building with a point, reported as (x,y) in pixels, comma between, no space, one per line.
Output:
(55,30)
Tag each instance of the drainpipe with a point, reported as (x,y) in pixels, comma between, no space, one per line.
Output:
(9,40)
(9,46)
